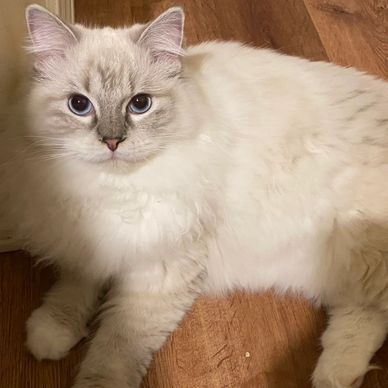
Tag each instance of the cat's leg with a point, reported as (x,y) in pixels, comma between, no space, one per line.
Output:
(135,322)
(349,343)
(61,321)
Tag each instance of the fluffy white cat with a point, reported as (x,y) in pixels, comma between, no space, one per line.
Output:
(169,172)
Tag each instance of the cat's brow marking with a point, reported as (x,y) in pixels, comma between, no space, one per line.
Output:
(113,78)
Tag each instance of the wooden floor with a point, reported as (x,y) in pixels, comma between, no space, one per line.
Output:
(243,340)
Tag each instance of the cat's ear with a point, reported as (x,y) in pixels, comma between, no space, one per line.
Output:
(164,36)
(49,36)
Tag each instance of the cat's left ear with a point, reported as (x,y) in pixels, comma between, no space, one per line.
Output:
(164,36)
(49,36)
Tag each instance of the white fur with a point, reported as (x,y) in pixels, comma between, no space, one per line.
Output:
(275,178)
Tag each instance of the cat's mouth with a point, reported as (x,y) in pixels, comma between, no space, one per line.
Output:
(111,157)
(103,155)
(115,156)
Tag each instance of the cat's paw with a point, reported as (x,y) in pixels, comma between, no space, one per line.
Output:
(99,381)
(48,338)
(330,375)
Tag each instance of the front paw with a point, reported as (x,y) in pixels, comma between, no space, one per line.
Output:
(99,381)
(329,374)
(49,338)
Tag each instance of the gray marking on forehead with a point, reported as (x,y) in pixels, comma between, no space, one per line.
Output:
(114,78)
(88,78)
(103,74)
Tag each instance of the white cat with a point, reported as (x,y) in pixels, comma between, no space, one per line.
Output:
(169,172)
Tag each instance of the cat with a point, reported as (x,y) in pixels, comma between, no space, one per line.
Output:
(167,172)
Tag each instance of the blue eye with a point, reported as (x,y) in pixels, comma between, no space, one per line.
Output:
(139,104)
(80,105)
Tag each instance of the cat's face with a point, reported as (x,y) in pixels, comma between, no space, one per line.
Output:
(105,94)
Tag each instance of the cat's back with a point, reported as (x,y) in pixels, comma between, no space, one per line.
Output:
(277,94)
(310,146)
(244,63)
(316,129)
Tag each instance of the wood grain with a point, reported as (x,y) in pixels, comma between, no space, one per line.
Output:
(281,24)
(243,340)
(354,32)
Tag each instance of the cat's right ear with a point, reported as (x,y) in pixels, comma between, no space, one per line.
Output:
(49,37)
(164,36)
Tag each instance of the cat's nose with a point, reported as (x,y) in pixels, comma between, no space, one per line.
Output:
(112,142)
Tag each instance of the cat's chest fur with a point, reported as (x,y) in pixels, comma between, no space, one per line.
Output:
(104,222)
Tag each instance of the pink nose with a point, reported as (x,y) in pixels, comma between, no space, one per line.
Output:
(113,143)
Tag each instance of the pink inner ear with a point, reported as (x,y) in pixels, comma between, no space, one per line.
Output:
(164,35)
(49,36)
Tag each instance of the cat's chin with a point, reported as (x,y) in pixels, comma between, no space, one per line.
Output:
(113,158)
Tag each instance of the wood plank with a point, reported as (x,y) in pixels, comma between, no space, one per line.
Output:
(241,341)
(354,32)
(283,25)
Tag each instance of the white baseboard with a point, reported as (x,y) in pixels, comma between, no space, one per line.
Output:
(8,244)
(63,8)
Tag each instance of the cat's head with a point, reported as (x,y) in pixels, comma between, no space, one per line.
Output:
(104,94)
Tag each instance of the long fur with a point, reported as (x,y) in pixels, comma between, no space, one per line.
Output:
(251,170)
